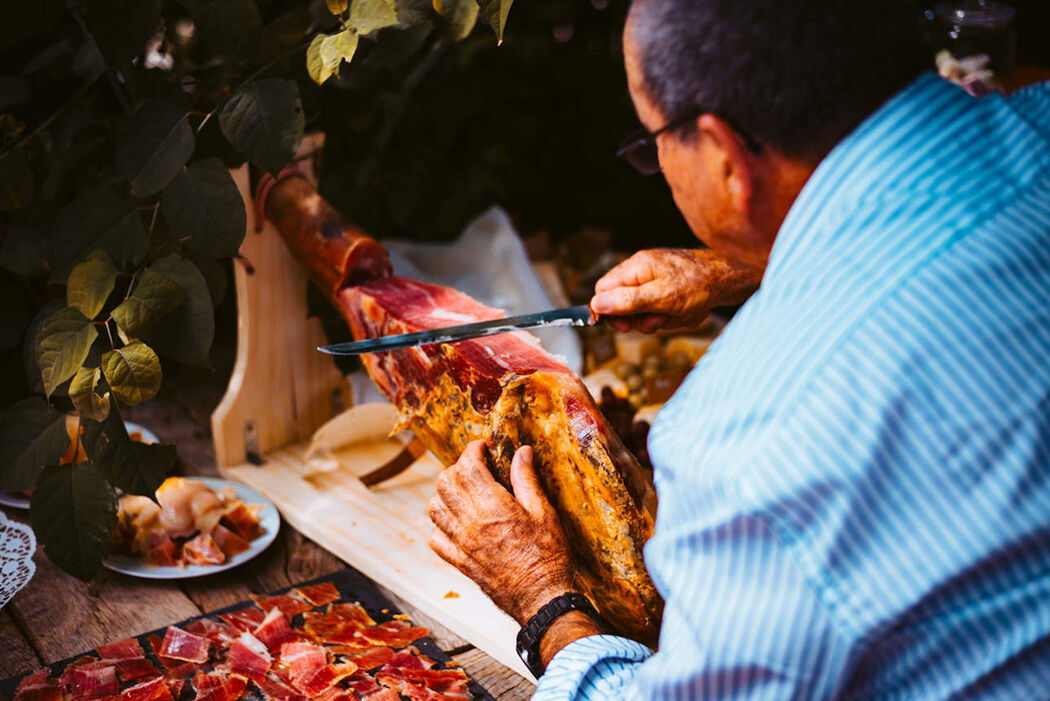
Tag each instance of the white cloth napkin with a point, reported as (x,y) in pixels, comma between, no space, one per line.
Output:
(17,545)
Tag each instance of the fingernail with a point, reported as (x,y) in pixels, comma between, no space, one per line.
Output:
(600,304)
(526,453)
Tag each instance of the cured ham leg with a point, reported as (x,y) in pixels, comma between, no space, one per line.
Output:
(505,389)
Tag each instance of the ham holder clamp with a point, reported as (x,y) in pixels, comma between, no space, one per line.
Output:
(505,389)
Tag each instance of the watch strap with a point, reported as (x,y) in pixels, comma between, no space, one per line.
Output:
(531,633)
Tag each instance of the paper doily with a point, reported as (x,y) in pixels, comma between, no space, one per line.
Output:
(17,545)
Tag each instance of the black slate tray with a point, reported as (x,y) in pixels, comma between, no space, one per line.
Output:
(352,585)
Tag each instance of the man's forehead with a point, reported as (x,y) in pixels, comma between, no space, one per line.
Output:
(648,113)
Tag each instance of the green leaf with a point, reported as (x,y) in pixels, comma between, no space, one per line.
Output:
(74,514)
(62,346)
(204,209)
(16,180)
(98,218)
(83,392)
(187,334)
(319,70)
(336,7)
(33,374)
(461,15)
(215,276)
(122,27)
(496,12)
(153,147)
(338,48)
(153,297)
(229,27)
(134,467)
(91,283)
(366,16)
(264,121)
(32,435)
(133,372)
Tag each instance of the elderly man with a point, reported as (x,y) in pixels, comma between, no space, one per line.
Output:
(854,482)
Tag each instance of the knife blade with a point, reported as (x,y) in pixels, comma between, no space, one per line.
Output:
(569,316)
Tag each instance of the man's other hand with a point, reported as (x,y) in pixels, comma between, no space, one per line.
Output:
(512,546)
(670,288)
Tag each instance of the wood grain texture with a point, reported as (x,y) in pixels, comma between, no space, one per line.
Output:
(63,616)
(16,656)
(499,681)
(280,385)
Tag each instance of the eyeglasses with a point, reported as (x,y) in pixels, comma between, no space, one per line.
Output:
(639,148)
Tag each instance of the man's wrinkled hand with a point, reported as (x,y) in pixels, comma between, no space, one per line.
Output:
(670,288)
(511,545)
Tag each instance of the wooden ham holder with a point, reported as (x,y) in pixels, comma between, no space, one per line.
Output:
(281,390)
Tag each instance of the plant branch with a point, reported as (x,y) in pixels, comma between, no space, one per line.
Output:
(400,102)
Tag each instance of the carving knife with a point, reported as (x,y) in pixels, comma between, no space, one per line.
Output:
(569,316)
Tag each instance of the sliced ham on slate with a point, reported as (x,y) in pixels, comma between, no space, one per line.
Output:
(318,594)
(153,690)
(275,630)
(249,657)
(182,645)
(39,686)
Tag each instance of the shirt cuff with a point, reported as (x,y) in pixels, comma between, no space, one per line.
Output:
(592,668)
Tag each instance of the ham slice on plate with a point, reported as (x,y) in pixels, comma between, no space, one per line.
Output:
(249,657)
(181,645)
(202,550)
(318,594)
(243,520)
(152,690)
(229,542)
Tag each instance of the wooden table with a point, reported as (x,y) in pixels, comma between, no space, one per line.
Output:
(56,616)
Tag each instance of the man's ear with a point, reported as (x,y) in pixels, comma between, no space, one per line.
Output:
(733,162)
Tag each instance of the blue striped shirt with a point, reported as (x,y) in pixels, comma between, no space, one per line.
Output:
(854,482)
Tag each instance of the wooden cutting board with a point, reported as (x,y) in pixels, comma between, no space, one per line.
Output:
(281,390)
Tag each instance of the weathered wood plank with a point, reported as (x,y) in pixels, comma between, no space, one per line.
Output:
(499,680)
(16,655)
(63,616)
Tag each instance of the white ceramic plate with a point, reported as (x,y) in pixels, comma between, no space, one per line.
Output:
(269,521)
(21,501)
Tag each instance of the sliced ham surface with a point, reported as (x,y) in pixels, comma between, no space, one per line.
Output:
(217,633)
(202,550)
(229,542)
(318,594)
(303,659)
(94,681)
(153,690)
(276,688)
(244,620)
(275,630)
(179,644)
(290,605)
(324,678)
(249,657)
(39,686)
(393,633)
(121,650)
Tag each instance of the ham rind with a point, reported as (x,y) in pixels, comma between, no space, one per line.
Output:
(505,389)
(249,657)
(202,550)
(275,630)
(318,594)
(180,645)
(152,690)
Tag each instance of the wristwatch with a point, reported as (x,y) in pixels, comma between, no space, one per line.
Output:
(532,632)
